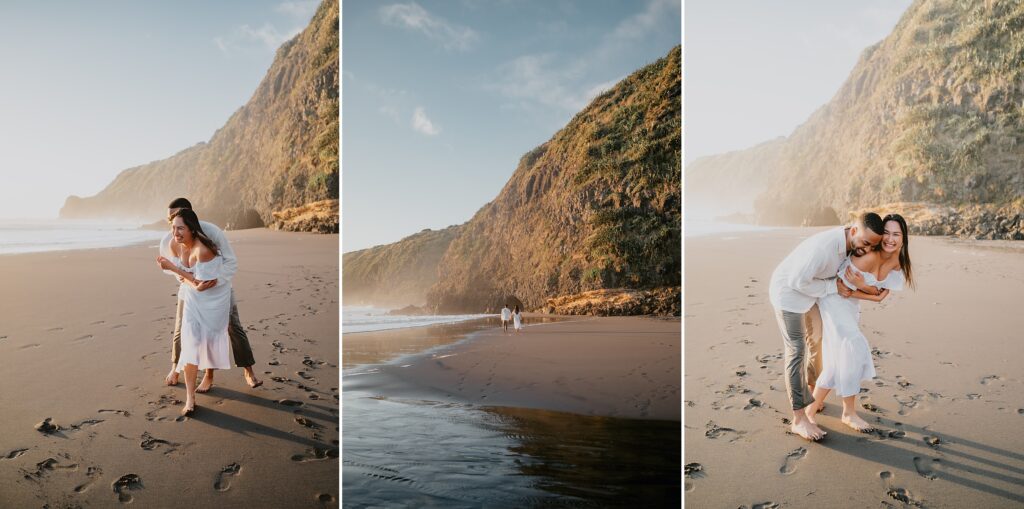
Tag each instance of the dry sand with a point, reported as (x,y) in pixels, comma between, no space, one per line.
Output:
(948,357)
(85,340)
(615,367)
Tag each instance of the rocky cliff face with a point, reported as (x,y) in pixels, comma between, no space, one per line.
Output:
(595,207)
(278,152)
(932,115)
(397,274)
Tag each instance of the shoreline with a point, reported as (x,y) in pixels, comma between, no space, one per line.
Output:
(598,366)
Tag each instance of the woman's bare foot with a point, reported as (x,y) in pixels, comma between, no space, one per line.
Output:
(190,407)
(172,377)
(250,378)
(854,421)
(811,411)
(206,384)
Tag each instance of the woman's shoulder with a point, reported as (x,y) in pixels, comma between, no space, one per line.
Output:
(866,261)
(205,254)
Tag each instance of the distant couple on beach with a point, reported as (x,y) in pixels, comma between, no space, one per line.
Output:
(815,293)
(515,316)
(207,330)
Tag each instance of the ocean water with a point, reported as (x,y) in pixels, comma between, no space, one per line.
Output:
(707,227)
(42,235)
(367,319)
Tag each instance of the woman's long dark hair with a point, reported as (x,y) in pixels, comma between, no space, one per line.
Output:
(192,223)
(905,251)
(517,309)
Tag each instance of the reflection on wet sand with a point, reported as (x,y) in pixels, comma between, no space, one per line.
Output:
(422,446)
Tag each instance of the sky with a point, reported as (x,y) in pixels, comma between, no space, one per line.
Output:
(753,77)
(92,88)
(440,99)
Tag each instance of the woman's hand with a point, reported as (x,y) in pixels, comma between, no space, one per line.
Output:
(164,263)
(206,285)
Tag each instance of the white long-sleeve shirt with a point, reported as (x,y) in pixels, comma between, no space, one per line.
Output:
(230,264)
(809,272)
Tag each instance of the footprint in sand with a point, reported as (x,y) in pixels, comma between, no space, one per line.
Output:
(82,338)
(93,473)
(989,379)
(927,468)
(30,345)
(316,454)
(125,485)
(223,482)
(789,464)
(12,454)
(150,443)
(55,329)
(325,498)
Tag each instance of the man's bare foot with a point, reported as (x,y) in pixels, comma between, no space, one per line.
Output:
(854,421)
(807,430)
(206,384)
(172,377)
(250,378)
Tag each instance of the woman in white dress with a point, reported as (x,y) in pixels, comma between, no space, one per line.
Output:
(207,304)
(846,356)
(517,319)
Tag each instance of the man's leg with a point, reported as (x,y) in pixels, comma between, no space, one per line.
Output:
(240,347)
(792,328)
(172,376)
(812,329)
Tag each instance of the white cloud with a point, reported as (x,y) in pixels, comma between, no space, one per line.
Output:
(300,9)
(639,25)
(423,124)
(412,16)
(390,112)
(247,38)
(549,81)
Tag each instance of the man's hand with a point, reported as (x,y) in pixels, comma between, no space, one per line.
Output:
(854,277)
(206,285)
(883,295)
(842,289)
(181,279)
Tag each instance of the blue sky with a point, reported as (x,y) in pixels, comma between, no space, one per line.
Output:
(442,98)
(753,77)
(92,88)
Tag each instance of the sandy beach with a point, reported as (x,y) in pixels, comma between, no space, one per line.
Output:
(614,367)
(948,399)
(573,410)
(85,341)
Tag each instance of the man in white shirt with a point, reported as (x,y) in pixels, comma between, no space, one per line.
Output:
(506,315)
(240,347)
(808,273)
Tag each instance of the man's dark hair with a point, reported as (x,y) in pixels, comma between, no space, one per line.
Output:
(180,203)
(872,221)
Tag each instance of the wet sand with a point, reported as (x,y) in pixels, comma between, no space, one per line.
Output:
(948,399)
(85,341)
(615,367)
(464,415)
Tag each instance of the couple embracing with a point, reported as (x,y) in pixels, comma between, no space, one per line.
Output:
(816,292)
(207,330)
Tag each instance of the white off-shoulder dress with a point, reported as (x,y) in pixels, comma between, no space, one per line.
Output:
(846,356)
(204,318)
